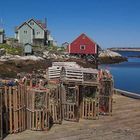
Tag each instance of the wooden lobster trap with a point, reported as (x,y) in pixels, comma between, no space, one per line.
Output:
(14,109)
(54,73)
(105,105)
(79,75)
(1,116)
(107,87)
(89,102)
(38,117)
(70,102)
(90,108)
(55,104)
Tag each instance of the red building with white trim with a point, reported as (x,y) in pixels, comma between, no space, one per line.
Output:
(83,45)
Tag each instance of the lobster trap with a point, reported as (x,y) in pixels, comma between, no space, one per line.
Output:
(105,105)
(106,93)
(89,102)
(70,102)
(14,109)
(106,87)
(38,117)
(55,104)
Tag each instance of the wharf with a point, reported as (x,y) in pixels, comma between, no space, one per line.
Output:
(124,124)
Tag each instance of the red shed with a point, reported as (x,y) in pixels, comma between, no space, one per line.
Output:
(83,45)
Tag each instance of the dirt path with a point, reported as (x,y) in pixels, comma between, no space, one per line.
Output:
(123,125)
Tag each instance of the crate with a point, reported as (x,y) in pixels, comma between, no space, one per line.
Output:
(107,87)
(105,105)
(38,116)
(14,109)
(90,108)
(89,101)
(54,73)
(55,105)
(83,75)
(70,102)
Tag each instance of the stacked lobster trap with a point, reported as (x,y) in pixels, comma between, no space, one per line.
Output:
(85,92)
(38,117)
(80,87)
(90,102)
(14,108)
(71,93)
(55,107)
(106,93)
(70,101)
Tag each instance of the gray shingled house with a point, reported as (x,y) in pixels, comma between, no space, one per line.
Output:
(33,32)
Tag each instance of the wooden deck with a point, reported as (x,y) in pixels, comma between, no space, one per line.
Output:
(123,125)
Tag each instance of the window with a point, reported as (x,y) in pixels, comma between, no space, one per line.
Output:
(82,47)
(31,23)
(83,37)
(25,32)
(38,33)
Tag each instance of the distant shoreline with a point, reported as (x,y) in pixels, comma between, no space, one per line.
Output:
(125,49)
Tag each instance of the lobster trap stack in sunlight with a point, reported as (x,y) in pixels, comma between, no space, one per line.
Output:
(38,117)
(106,93)
(14,108)
(80,93)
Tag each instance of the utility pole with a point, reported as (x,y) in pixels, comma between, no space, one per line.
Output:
(97,57)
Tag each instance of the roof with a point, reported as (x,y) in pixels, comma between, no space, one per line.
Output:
(83,34)
(24,24)
(39,23)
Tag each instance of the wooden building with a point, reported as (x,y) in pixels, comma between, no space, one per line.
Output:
(83,45)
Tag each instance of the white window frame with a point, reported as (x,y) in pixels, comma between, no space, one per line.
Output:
(32,23)
(37,33)
(82,47)
(25,32)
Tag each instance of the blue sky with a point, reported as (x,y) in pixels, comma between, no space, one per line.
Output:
(111,23)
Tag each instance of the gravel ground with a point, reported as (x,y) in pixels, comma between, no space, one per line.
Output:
(124,124)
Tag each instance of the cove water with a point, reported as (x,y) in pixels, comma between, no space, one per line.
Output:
(127,74)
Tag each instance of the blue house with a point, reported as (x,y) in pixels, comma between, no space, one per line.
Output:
(33,32)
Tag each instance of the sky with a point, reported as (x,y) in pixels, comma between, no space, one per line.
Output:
(110,23)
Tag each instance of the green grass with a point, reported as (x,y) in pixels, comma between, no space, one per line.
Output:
(11,50)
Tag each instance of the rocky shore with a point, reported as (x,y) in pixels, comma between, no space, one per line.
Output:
(110,57)
(10,65)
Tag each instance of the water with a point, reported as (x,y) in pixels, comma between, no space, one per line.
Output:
(129,53)
(127,74)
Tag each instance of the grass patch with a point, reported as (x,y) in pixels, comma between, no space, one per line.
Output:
(12,50)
